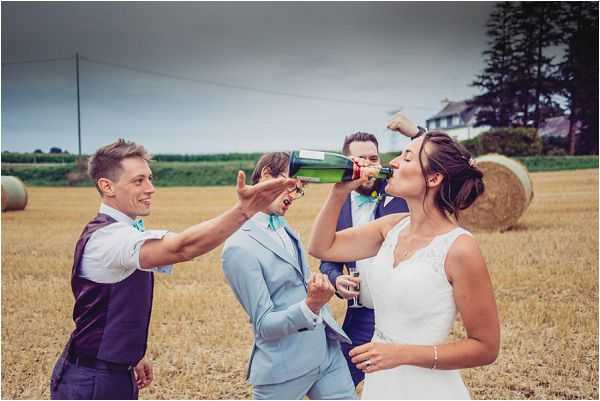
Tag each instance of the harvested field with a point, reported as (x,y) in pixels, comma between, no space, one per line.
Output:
(544,270)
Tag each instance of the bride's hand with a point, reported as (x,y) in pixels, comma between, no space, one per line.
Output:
(375,356)
(349,186)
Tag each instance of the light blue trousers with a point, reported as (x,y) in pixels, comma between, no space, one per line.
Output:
(330,381)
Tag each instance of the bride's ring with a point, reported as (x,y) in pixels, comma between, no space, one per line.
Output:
(367,363)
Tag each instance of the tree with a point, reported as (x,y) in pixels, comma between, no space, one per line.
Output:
(496,104)
(579,72)
(519,81)
(38,151)
(536,31)
(54,149)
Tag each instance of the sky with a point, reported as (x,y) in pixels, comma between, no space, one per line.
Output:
(231,77)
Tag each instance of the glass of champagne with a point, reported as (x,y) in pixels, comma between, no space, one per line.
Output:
(354,301)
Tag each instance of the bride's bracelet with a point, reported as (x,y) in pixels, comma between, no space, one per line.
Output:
(435,357)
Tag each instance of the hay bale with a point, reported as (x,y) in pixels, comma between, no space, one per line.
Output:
(4,199)
(14,193)
(508,193)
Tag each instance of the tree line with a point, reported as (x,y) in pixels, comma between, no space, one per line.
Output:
(541,62)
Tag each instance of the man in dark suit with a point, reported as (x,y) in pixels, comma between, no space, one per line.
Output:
(367,203)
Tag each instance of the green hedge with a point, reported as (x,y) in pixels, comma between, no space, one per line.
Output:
(33,158)
(218,157)
(511,142)
(224,173)
(166,174)
(13,157)
(558,163)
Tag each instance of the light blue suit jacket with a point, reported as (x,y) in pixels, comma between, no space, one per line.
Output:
(271,286)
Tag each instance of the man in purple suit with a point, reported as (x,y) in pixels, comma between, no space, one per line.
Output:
(112,275)
(365,204)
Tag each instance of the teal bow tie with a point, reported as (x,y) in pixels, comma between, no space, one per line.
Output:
(138,225)
(362,200)
(275,222)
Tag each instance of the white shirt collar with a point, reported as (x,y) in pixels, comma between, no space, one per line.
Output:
(115,214)
(262,219)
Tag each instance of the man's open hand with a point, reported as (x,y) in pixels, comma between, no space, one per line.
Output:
(254,198)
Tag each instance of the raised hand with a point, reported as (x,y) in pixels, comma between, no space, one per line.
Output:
(254,198)
(320,292)
(403,125)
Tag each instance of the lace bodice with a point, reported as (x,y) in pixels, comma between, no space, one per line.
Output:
(413,301)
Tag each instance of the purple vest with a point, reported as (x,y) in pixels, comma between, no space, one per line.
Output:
(111,320)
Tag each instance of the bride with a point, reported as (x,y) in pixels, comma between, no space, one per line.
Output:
(426,269)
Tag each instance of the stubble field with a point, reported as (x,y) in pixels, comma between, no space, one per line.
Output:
(544,271)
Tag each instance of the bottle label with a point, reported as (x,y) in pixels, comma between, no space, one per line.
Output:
(308,179)
(311,154)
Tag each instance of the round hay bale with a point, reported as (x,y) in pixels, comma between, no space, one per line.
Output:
(4,199)
(14,193)
(508,193)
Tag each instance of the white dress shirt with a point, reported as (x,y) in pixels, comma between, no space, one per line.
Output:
(282,237)
(360,216)
(113,252)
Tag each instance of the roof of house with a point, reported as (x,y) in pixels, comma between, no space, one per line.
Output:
(557,126)
(461,108)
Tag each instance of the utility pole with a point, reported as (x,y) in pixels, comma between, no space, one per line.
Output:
(78,107)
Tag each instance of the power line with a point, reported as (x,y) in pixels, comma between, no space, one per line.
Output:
(215,83)
(234,86)
(48,60)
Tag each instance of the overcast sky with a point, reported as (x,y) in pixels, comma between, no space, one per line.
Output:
(263,76)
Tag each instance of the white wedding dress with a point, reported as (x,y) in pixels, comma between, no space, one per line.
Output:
(413,304)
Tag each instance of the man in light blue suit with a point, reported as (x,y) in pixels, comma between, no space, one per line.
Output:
(296,349)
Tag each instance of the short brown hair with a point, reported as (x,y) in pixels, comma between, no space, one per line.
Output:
(358,137)
(276,162)
(106,162)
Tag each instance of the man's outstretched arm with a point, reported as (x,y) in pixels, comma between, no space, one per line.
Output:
(206,236)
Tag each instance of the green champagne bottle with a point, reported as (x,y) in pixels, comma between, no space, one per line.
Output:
(328,167)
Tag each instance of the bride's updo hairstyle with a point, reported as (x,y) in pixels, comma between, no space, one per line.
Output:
(462,182)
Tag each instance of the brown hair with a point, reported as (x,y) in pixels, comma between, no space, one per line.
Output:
(462,182)
(275,162)
(106,162)
(358,137)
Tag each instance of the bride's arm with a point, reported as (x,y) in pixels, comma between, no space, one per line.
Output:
(352,243)
(474,298)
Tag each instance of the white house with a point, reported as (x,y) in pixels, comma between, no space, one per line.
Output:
(457,119)
(558,127)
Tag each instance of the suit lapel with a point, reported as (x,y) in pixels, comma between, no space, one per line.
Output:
(345,219)
(258,234)
(396,205)
(301,254)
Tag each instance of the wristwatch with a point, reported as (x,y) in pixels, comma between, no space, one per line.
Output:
(420,132)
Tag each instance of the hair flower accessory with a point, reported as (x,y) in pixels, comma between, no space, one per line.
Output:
(472,163)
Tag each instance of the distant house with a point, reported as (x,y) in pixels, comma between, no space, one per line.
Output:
(557,127)
(457,119)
